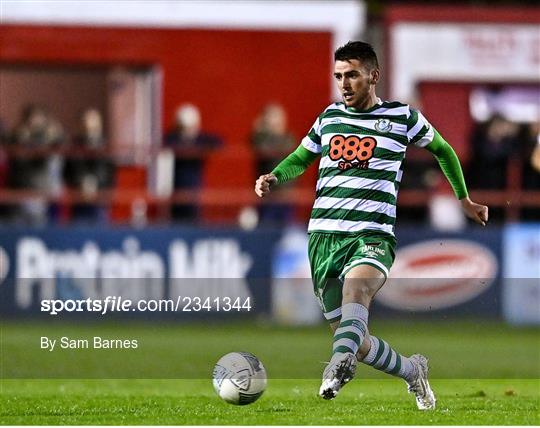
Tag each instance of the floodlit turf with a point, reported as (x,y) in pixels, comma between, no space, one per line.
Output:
(483,373)
(286,402)
(465,349)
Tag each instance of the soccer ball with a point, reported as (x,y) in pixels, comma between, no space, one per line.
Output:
(239,378)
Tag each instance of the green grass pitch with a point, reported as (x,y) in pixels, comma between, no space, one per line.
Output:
(483,374)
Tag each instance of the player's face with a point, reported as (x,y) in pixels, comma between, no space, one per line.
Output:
(355,82)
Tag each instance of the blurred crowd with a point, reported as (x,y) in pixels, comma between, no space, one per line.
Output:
(40,158)
(32,160)
(497,142)
(503,156)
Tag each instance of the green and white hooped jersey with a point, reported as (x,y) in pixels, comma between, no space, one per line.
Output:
(361,164)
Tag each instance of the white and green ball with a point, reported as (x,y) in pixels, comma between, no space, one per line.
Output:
(239,378)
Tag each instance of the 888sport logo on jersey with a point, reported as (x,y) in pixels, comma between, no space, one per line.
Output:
(352,151)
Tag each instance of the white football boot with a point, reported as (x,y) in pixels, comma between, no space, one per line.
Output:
(337,373)
(425,398)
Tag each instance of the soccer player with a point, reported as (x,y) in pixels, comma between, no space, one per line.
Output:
(362,143)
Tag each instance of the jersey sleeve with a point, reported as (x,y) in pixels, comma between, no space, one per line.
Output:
(419,130)
(294,165)
(449,163)
(312,141)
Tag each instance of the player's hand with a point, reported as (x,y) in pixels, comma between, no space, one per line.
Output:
(264,183)
(477,212)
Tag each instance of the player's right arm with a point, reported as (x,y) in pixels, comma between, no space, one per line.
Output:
(288,169)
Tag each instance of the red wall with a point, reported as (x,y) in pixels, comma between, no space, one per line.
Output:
(230,75)
(446,106)
(522,14)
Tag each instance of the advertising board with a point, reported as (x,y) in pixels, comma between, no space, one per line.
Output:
(444,273)
(154,263)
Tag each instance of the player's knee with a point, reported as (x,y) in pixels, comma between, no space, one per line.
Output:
(358,290)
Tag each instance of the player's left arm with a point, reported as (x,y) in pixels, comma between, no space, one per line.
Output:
(451,167)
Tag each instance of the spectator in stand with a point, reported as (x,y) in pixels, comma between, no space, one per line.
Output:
(92,172)
(41,172)
(191,146)
(493,143)
(272,140)
(92,134)
(535,157)
(38,128)
(530,138)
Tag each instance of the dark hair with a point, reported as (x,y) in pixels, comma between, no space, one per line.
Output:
(357,50)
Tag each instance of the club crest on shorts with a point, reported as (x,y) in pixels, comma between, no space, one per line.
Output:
(383,125)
